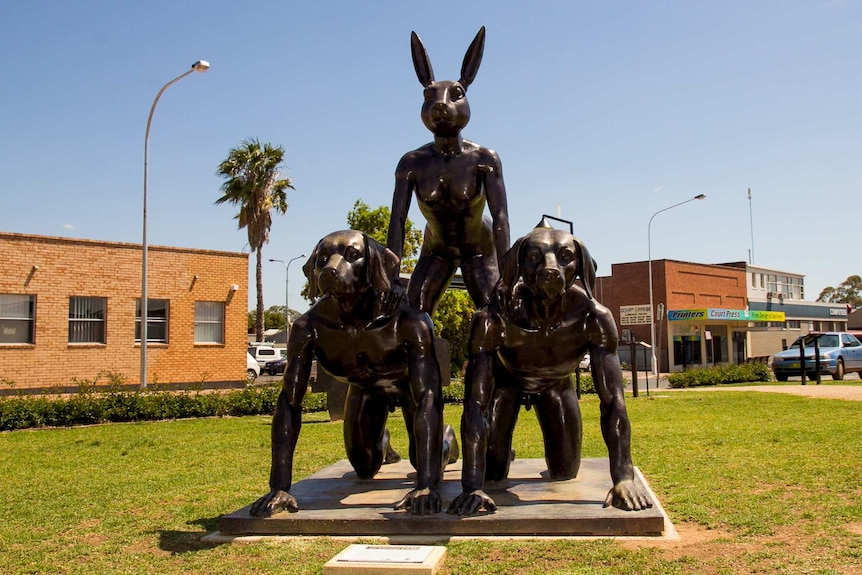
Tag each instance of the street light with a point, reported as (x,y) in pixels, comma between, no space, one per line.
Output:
(649,260)
(286,295)
(199,66)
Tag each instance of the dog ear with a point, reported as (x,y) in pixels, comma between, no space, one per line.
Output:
(586,268)
(472,59)
(511,272)
(380,264)
(308,270)
(421,62)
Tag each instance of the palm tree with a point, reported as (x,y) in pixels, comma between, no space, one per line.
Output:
(254,182)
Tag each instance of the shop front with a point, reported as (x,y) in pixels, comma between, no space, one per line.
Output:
(705,337)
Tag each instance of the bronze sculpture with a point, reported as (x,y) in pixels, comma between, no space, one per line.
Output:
(524,346)
(453,179)
(363,332)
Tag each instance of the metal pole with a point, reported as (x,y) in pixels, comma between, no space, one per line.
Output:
(199,66)
(287,295)
(649,265)
(751,224)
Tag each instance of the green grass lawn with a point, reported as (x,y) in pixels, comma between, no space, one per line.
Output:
(763,483)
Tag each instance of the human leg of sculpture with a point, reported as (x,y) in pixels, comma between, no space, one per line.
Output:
(480,276)
(502,417)
(450,449)
(365,414)
(559,417)
(428,281)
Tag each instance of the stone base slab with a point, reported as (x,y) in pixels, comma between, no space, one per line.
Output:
(334,503)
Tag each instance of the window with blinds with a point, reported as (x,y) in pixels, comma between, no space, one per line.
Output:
(87,317)
(157,320)
(17,318)
(209,322)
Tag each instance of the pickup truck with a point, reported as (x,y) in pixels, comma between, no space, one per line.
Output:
(840,353)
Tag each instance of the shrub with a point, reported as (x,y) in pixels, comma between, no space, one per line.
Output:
(113,404)
(721,374)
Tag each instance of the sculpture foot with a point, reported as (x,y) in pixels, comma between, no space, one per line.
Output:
(425,501)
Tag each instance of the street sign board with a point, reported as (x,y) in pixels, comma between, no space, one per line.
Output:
(635,314)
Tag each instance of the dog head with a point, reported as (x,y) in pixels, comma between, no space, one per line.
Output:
(547,262)
(348,263)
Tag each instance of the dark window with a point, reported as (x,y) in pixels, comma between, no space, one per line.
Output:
(17,318)
(157,320)
(87,319)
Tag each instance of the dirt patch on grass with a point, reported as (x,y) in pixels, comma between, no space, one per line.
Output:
(787,550)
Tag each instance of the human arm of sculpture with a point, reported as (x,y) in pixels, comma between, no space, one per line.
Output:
(286,424)
(495,191)
(474,425)
(426,391)
(401,198)
(616,429)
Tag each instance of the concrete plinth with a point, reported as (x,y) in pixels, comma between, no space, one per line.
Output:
(386,560)
(334,502)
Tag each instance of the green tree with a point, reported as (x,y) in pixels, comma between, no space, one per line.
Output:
(848,291)
(452,322)
(375,223)
(273,318)
(255,183)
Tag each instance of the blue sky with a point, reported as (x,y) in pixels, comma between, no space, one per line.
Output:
(605,111)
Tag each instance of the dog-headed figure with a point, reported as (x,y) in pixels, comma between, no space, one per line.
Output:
(524,346)
(363,333)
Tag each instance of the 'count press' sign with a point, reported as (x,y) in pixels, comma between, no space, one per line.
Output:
(634,314)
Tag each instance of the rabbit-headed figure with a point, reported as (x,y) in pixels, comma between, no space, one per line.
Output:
(453,179)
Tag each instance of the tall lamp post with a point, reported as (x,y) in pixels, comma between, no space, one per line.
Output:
(286,295)
(199,66)
(649,260)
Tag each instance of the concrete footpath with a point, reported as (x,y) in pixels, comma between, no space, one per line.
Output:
(829,389)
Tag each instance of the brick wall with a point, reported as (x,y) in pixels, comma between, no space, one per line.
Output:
(53,269)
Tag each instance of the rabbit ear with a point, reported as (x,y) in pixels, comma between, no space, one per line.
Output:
(472,59)
(421,62)
(308,270)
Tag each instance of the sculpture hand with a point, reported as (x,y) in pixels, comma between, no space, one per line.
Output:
(628,496)
(424,501)
(274,502)
(471,502)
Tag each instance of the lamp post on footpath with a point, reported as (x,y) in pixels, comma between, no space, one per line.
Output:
(199,66)
(649,264)
(287,295)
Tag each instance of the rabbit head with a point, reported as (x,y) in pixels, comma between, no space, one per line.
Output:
(446,111)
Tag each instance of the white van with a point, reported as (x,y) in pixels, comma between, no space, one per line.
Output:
(263,354)
(253,369)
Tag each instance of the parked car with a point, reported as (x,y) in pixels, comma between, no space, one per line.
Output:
(276,366)
(252,368)
(840,352)
(585,363)
(263,354)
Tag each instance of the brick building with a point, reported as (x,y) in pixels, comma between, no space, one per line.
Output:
(685,291)
(70,310)
(709,314)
